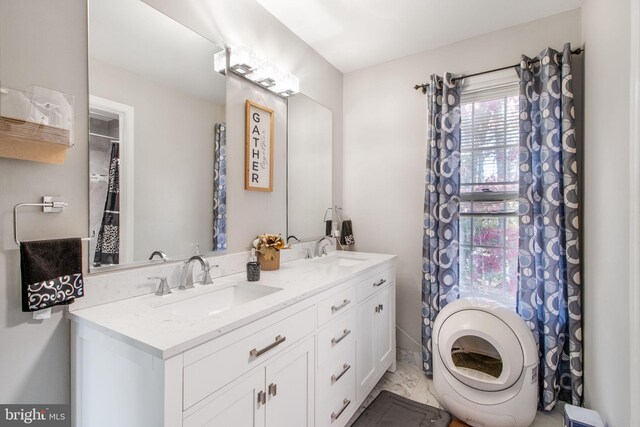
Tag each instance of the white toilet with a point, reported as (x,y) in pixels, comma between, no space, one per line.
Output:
(485,364)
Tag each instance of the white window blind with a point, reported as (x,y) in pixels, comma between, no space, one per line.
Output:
(489,193)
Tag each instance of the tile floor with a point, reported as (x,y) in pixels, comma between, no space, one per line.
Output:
(410,382)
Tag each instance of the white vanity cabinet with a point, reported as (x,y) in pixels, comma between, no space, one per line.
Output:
(275,395)
(237,404)
(375,323)
(335,377)
(310,363)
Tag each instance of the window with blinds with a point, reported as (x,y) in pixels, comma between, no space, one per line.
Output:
(489,194)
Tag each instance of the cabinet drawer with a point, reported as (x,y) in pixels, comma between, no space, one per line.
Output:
(335,372)
(336,408)
(336,336)
(373,283)
(207,375)
(335,305)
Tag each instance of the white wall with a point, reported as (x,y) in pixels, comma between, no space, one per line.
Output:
(42,43)
(45,43)
(251,213)
(384,145)
(606,32)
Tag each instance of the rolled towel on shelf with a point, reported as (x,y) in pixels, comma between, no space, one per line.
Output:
(51,273)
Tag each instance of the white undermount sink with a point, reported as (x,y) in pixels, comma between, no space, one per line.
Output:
(223,298)
(340,260)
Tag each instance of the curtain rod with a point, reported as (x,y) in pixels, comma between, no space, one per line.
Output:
(424,86)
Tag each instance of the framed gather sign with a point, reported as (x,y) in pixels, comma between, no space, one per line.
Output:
(258,148)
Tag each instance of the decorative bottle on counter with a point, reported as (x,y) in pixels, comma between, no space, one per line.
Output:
(253,267)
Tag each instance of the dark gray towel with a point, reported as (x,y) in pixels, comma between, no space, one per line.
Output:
(51,273)
(346,236)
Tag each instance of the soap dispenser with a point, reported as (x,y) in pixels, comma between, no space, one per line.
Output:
(253,267)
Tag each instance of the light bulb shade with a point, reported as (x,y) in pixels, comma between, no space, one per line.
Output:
(220,62)
(247,64)
(242,61)
(287,85)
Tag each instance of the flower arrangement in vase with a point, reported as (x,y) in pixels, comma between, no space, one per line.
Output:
(268,247)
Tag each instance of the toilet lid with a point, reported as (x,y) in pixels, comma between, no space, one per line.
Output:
(480,350)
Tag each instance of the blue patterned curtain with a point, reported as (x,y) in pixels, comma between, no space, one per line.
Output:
(220,188)
(441,206)
(549,293)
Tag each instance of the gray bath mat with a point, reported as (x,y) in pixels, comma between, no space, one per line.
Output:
(391,410)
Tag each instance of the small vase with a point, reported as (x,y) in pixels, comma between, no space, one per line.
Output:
(268,264)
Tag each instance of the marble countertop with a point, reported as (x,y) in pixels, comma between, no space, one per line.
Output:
(147,322)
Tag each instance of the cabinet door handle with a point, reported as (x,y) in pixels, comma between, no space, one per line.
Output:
(335,378)
(377,308)
(273,389)
(380,283)
(335,341)
(381,307)
(345,303)
(335,415)
(262,397)
(257,353)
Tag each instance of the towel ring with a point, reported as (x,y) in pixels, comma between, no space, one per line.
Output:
(49,205)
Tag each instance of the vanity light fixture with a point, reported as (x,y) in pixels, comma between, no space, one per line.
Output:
(267,82)
(220,62)
(247,64)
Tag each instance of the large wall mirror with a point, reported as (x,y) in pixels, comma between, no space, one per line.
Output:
(309,167)
(157,137)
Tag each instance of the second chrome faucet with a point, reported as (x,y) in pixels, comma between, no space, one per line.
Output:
(186,276)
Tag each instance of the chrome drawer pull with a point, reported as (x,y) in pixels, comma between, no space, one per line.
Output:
(335,341)
(345,303)
(335,378)
(273,389)
(257,353)
(380,283)
(334,415)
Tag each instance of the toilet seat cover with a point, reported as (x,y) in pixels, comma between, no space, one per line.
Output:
(493,330)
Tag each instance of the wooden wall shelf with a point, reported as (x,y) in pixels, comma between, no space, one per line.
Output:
(24,140)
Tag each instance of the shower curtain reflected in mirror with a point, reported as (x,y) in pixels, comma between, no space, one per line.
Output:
(220,188)
(108,241)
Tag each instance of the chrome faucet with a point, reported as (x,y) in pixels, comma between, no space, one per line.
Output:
(307,253)
(186,276)
(163,287)
(320,249)
(160,254)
